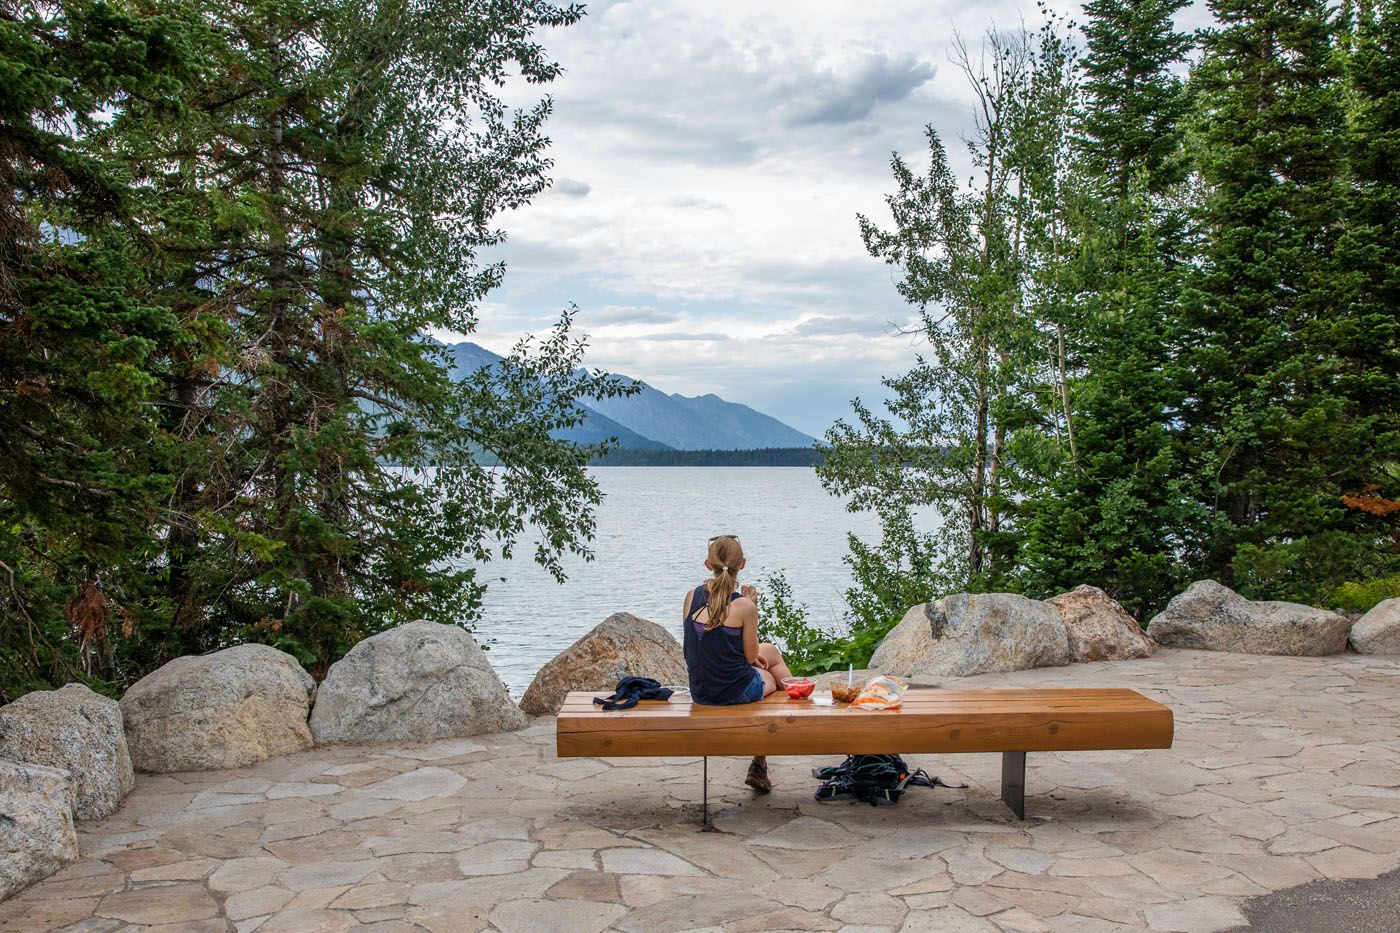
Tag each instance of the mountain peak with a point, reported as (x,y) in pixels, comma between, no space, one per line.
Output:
(653,420)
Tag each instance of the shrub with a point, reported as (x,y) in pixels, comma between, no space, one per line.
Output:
(1363,595)
(1308,570)
(783,621)
(807,648)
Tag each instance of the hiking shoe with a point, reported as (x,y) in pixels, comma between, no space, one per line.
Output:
(758,778)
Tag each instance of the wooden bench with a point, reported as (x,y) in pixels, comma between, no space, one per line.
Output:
(1012,722)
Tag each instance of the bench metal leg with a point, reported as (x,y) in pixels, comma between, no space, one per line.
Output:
(705,825)
(1013,782)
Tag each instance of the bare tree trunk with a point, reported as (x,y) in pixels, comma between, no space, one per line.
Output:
(977,499)
(1064,393)
(994,478)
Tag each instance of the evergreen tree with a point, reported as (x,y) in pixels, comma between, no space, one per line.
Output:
(1368,251)
(81,357)
(352,159)
(1133,120)
(228,230)
(1274,415)
(1114,510)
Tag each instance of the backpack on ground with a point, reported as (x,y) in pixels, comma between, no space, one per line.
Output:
(878,780)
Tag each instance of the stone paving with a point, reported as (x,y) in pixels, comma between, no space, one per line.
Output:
(1284,770)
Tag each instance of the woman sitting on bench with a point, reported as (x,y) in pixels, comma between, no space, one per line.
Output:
(727,664)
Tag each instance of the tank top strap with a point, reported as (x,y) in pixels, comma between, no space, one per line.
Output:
(700,598)
(697,599)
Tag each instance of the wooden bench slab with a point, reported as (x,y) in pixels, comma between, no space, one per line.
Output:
(1012,722)
(943,721)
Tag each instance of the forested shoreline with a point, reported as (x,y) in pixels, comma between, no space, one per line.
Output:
(762,456)
(1159,325)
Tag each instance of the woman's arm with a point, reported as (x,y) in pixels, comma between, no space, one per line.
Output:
(748,616)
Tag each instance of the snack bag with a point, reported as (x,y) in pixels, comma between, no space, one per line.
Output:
(880,693)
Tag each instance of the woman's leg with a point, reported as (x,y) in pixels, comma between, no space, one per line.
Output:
(770,683)
(757,777)
(773,662)
(772,668)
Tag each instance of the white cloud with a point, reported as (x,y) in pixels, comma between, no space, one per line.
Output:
(727,147)
(847,97)
(621,314)
(571,188)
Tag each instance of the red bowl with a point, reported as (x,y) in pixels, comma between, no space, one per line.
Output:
(798,687)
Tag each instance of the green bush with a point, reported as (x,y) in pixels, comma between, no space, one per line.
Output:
(1363,595)
(783,622)
(1308,570)
(808,649)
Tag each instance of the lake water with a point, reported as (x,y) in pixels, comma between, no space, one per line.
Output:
(653,532)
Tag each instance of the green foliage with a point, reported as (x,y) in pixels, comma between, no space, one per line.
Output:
(1275,421)
(890,576)
(962,430)
(1163,321)
(1364,595)
(1160,326)
(1116,510)
(1307,569)
(763,456)
(784,623)
(226,233)
(350,163)
(808,649)
(1132,127)
(83,475)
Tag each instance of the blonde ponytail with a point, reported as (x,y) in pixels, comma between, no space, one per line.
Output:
(725,557)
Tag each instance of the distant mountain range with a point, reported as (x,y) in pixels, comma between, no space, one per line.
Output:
(652,420)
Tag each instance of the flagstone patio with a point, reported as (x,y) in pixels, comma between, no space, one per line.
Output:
(1284,770)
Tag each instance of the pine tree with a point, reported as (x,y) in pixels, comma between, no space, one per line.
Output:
(1133,122)
(345,168)
(1273,416)
(228,230)
(1113,511)
(81,357)
(1368,252)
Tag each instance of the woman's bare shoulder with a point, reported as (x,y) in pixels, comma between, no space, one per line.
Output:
(742,610)
(689,597)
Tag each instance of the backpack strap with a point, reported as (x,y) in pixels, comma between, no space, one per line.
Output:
(922,778)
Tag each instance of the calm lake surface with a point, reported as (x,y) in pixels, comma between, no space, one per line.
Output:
(653,531)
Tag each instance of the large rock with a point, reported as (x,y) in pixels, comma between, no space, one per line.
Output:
(221,710)
(1099,629)
(74,730)
(963,634)
(1213,617)
(1378,631)
(36,824)
(622,645)
(416,683)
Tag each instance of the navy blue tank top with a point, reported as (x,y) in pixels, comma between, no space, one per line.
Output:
(719,672)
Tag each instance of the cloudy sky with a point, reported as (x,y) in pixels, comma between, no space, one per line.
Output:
(710,158)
